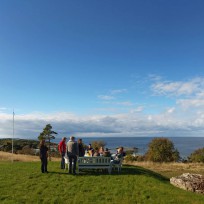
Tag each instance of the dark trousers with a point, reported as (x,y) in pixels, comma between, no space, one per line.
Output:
(62,160)
(43,164)
(72,158)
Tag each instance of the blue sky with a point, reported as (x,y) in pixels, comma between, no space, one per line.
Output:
(102,68)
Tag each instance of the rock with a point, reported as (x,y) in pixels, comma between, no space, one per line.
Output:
(189,182)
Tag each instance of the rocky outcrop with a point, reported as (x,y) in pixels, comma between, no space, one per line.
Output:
(190,182)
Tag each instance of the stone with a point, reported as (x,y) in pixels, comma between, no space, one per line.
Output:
(189,182)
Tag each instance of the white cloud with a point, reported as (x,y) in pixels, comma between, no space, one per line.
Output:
(136,110)
(154,77)
(134,123)
(112,94)
(125,103)
(179,88)
(200,94)
(106,97)
(189,103)
(171,110)
(3,109)
(184,118)
(118,91)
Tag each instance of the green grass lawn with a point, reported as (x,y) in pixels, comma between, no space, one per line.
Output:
(23,182)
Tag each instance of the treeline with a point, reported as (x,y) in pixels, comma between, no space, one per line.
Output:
(163,150)
(159,150)
(21,146)
(18,144)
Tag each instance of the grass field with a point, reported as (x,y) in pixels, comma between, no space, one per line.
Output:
(22,182)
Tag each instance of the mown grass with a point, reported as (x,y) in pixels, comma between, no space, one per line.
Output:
(22,182)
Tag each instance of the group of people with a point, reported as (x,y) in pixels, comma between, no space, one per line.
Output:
(91,152)
(72,150)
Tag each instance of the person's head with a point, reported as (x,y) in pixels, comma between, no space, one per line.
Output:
(42,142)
(72,138)
(120,149)
(79,141)
(64,139)
(89,146)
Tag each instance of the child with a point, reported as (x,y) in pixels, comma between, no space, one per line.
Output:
(43,156)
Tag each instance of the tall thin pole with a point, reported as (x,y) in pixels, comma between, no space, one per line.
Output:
(13,135)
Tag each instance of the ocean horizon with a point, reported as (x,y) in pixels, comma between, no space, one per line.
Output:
(185,145)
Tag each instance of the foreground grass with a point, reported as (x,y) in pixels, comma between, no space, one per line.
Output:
(22,182)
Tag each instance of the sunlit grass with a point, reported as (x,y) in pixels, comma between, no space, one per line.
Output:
(22,182)
(172,169)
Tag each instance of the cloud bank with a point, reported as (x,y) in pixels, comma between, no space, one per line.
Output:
(184,118)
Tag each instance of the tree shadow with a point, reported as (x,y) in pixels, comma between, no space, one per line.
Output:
(126,170)
(57,172)
(137,170)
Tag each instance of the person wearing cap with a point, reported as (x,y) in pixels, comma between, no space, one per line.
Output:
(72,152)
(106,153)
(62,151)
(90,147)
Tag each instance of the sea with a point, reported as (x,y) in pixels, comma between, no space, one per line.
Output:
(185,145)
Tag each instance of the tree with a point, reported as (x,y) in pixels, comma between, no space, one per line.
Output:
(197,156)
(98,144)
(162,150)
(47,134)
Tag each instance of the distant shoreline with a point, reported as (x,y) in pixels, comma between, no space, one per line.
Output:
(185,145)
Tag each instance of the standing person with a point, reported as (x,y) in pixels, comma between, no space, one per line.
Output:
(72,152)
(43,156)
(62,151)
(81,148)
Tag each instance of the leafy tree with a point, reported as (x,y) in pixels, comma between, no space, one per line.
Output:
(47,134)
(98,144)
(197,156)
(162,150)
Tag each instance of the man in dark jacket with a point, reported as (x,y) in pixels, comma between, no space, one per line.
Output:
(72,152)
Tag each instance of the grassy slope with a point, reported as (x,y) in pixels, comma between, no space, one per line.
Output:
(22,182)
(172,169)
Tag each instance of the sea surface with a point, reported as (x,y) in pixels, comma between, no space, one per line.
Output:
(185,145)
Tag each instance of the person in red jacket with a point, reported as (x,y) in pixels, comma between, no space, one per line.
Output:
(62,151)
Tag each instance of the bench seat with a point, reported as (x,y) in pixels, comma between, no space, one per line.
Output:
(94,163)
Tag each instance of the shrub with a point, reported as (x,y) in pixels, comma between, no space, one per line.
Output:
(131,158)
(129,152)
(161,150)
(197,156)
(27,150)
(98,144)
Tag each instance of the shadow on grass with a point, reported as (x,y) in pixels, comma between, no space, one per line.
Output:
(137,170)
(126,170)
